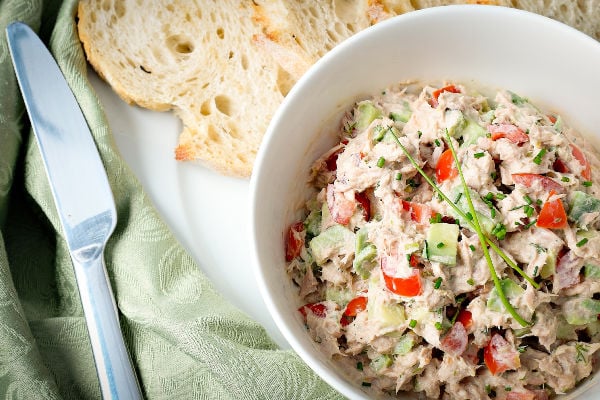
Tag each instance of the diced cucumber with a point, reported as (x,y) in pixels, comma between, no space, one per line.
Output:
(581,310)
(593,330)
(484,213)
(412,247)
(385,134)
(564,330)
(402,115)
(511,290)
(549,267)
(365,253)
(367,113)
(341,296)
(380,310)
(442,242)
(380,362)
(455,121)
(405,344)
(582,203)
(558,124)
(591,271)
(516,99)
(312,223)
(330,242)
(471,132)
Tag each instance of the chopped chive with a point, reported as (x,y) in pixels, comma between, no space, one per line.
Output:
(472,247)
(470,281)
(530,224)
(538,158)
(488,389)
(493,212)
(458,196)
(500,196)
(565,179)
(412,183)
(489,196)
(408,256)
(494,175)
(539,202)
(507,388)
(419,133)
(412,323)
(437,283)
(485,241)
(437,142)
(469,216)
(381,162)
(527,199)
(587,183)
(528,210)
(359,366)
(535,270)
(439,326)
(398,176)
(582,242)
(478,155)
(440,245)
(517,207)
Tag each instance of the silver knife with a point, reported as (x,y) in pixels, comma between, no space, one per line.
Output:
(83,198)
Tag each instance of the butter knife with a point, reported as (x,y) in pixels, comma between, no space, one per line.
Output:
(83,199)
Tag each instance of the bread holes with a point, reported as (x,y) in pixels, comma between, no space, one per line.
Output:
(230,56)
(205,108)
(220,33)
(212,134)
(284,81)
(180,45)
(232,131)
(223,104)
(244,61)
(120,9)
(106,5)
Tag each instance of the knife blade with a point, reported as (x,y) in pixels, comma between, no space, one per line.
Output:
(83,199)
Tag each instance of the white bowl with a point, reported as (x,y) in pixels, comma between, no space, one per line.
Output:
(550,63)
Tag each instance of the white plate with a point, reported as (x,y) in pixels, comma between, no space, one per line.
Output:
(207,212)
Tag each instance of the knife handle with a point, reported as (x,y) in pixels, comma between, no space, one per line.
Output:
(113,364)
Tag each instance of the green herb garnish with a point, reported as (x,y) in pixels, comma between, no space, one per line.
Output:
(437,283)
(538,158)
(412,323)
(587,183)
(474,223)
(381,162)
(582,242)
(478,155)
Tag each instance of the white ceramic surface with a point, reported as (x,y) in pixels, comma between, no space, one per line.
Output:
(206,211)
(553,65)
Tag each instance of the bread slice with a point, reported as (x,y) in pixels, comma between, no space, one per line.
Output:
(195,58)
(225,66)
(305,32)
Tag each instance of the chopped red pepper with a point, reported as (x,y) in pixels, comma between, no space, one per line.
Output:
(420,213)
(465,318)
(409,286)
(586,172)
(500,356)
(508,131)
(355,306)
(340,207)
(552,215)
(294,241)
(445,168)
(529,180)
(365,203)
(455,341)
(433,102)
(560,166)
(318,309)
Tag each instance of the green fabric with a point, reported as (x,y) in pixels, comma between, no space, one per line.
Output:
(186,341)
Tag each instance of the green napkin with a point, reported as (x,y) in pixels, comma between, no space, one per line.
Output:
(186,341)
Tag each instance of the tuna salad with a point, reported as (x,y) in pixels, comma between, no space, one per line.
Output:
(452,247)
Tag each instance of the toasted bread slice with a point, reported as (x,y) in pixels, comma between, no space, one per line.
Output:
(195,58)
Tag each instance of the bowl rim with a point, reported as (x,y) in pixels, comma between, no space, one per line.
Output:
(345,387)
